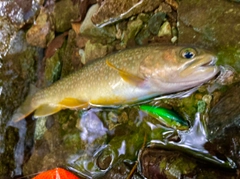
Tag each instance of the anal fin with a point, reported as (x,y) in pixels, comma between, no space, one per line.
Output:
(67,103)
(46,110)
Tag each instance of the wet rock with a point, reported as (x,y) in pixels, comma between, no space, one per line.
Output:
(52,71)
(71,60)
(56,146)
(42,149)
(133,27)
(61,58)
(81,41)
(155,22)
(235,0)
(172,3)
(144,17)
(165,30)
(7,33)
(55,44)
(104,160)
(209,29)
(143,36)
(7,149)
(223,125)
(111,10)
(120,171)
(64,12)
(19,12)
(83,7)
(50,66)
(40,128)
(94,51)
(14,15)
(42,32)
(164,8)
(174,35)
(17,71)
(105,34)
(157,163)
(160,164)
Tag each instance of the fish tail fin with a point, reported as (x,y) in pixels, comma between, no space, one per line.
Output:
(27,107)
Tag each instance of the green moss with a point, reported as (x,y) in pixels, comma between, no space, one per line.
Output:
(201,106)
(52,69)
(189,106)
(72,142)
(229,56)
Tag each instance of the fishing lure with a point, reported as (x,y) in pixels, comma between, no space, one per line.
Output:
(166,116)
(56,173)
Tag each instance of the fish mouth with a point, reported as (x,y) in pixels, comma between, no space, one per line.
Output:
(209,62)
(200,63)
(205,62)
(200,69)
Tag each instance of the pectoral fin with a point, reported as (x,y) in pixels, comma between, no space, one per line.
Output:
(127,77)
(73,103)
(46,110)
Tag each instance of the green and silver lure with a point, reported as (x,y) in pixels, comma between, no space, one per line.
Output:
(166,116)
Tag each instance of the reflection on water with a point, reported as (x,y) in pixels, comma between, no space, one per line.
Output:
(19,148)
(107,145)
(194,142)
(91,130)
(126,146)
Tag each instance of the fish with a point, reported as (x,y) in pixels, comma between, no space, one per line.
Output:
(166,116)
(122,78)
(56,173)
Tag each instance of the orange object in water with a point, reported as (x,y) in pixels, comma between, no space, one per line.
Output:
(56,173)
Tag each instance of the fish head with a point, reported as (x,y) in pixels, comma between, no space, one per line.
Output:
(179,68)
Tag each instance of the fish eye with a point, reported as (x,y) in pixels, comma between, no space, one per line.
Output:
(188,53)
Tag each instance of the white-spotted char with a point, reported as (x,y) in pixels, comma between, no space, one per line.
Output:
(125,77)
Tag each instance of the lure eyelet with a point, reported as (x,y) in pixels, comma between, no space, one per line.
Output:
(188,53)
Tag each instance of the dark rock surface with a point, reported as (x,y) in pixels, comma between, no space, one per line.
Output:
(224,124)
(209,23)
